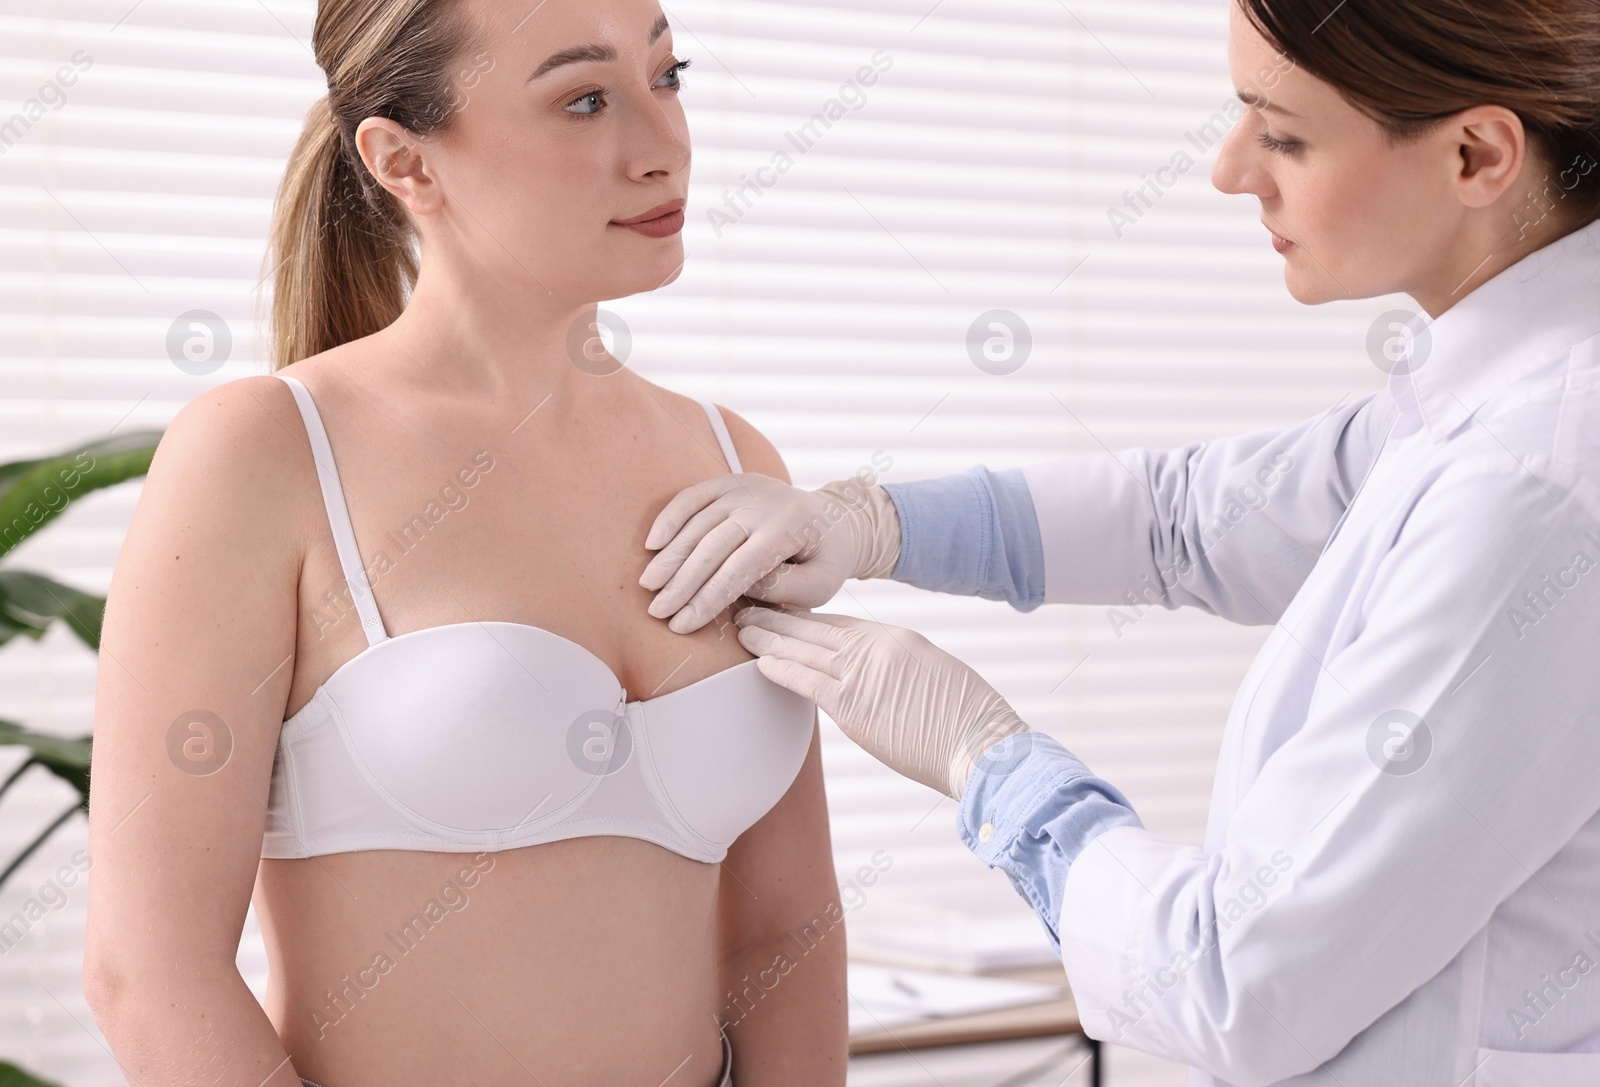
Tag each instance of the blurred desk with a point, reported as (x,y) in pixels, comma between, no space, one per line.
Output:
(1048,1019)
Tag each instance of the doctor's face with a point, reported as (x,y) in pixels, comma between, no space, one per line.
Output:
(1353,212)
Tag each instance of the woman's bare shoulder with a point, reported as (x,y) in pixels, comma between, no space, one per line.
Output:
(242,420)
(756,453)
(240,443)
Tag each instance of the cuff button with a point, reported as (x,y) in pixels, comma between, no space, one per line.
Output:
(986,832)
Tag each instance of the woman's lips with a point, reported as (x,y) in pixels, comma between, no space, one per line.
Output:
(1280,243)
(657,222)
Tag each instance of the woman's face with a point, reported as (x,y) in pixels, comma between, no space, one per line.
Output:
(567,123)
(1354,215)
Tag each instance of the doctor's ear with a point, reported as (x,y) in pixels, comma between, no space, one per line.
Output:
(1492,146)
(397,159)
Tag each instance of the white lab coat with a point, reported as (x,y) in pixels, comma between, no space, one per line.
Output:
(1377,904)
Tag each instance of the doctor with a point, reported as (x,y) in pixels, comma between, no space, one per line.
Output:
(1400,883)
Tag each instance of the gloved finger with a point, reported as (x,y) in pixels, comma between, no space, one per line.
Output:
(766,643)
(759,572)
(673,552)
(793,625)
(825,628)
(843,622)
(706,559)
(799,584)
(747,566)
(808,683)
(684,505)
(910,642)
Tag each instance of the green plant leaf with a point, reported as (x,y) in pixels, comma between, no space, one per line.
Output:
(34,492)
(12,1076)
(65,757)
(28,602)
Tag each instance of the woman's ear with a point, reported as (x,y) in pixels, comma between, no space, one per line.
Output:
(1493,147)
(396,159)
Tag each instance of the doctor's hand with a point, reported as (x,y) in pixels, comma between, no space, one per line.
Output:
(911,705)
(756,536)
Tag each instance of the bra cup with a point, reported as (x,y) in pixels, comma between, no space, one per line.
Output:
(517,697)
(496,735)
(727,751)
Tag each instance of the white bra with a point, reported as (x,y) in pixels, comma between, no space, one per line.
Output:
(474,736)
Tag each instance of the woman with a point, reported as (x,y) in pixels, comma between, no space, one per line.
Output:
(372,648)
(1398,885)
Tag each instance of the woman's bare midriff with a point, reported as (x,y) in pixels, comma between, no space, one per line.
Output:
(578,963)
(583,962)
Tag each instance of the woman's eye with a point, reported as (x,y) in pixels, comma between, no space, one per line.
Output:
(672,78)
(588,104)
(592,103)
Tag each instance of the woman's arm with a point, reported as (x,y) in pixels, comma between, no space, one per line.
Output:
(194,672)
(1232,526)
(780,920)
(781,931)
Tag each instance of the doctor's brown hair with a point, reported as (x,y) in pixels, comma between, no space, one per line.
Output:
(342,252)
(1409,64)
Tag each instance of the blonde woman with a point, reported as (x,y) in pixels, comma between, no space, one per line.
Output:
(375,651)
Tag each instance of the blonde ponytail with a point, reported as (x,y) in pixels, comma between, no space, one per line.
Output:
(341,250)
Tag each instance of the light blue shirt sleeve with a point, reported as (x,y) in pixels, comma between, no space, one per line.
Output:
(1030,807)
(1232,526)
(971,534)
(975,533)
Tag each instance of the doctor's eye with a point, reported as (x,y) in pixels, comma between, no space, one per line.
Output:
(1277,146)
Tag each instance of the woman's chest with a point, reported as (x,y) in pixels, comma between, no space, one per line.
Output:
(561,549)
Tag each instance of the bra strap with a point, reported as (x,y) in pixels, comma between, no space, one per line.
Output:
(721,427)
(344,533)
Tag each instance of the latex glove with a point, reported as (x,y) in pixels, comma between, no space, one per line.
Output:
(756,536)
(911,705)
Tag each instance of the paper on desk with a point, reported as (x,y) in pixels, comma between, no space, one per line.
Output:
(890,996)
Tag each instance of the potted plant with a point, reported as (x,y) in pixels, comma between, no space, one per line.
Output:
(32,494)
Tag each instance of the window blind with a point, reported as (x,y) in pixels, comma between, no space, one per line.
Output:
(904,248)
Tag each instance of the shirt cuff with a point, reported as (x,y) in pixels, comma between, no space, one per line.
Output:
(1030,807)
(974,533)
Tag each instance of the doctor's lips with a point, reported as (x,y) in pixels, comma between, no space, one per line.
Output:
(658,222)
(1279,242)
